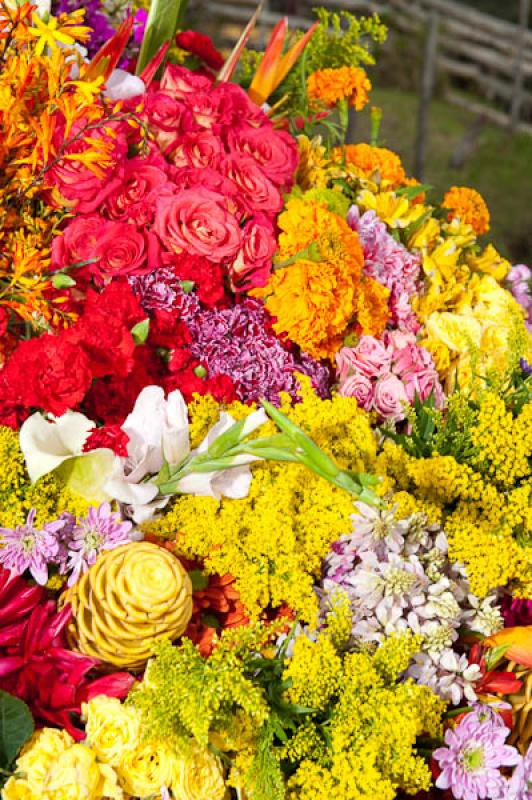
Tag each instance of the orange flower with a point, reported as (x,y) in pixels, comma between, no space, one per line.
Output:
(517,641)
(469,206)
(330,86)
(374,163)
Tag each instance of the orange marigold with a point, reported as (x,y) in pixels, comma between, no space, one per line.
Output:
(469,206)
(345,83)
(315,291)
(375,163)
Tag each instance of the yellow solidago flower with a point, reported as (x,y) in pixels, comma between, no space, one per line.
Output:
(469,206)
(330,86)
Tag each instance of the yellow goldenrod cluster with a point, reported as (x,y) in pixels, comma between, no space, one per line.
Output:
(372,725)
(273,541)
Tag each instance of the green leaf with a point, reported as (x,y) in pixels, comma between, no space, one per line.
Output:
(16,727)
(62,281)
(198,580)
(411,192)
(164,18)
(140,331)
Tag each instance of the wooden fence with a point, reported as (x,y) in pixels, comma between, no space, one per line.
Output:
(477,51)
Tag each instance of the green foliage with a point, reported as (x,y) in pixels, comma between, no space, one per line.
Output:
(16,727)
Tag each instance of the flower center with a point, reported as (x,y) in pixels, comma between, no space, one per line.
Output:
(473,758)
(398,581)
(28,542)
(92,539)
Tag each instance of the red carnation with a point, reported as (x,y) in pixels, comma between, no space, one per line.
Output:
(110,436)
(201,46)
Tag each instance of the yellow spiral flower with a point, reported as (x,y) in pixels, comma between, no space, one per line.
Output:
(132,596)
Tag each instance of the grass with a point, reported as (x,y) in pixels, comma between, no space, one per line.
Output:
(500,168)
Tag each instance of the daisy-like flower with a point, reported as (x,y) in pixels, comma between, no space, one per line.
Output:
(100,530)
(471,761)
(520,786)
(30,548)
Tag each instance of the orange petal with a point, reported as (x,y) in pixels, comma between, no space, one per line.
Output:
(291,56)
(229,66)
(110,54)
(265,79)
(518,643)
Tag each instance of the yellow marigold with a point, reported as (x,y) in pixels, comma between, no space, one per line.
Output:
(311,167)
(469,205)
(372,162)
(314,296)
(345,83)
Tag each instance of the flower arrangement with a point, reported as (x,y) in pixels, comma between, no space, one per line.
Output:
(265,488)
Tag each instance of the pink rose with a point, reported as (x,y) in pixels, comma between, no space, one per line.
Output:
(371,357)
(258,192)
(274,151)
(253,265)
(135,199)
(359,387)
(422,383)
(167,117)
(345,363)
(74,185)
(198,149)
(197,221)
(181,82)
(390,398)
(237,100)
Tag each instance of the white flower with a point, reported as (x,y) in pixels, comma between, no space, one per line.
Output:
(448,675)
(122,85)
(483,617)
(47,444)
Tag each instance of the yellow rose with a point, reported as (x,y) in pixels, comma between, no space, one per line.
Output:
(143,771)
(199,776)
(16,789)
(112,728)
(77,775)
(38,756)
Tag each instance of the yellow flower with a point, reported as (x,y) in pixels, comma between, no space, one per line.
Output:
(199,777)
(345,83)
(112,728)
(469,206)
(143,771)
(55,768)
(311,168)
(375,163)
(392,209)
(490,262)
(51,32)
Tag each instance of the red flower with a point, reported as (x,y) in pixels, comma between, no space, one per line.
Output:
(17,600)
(492,681)
(37,667)
(200,45)
(110,436)
(208,278)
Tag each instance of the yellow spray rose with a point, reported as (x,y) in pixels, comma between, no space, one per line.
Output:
(199,777)
(55,768)
(145,770)
(112,729)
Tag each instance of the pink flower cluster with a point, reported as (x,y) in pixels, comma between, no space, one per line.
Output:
(385,375)
(390,263)
(213,193)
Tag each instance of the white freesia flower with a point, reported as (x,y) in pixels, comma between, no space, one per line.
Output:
(47,444)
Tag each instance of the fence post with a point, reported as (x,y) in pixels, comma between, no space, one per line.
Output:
(428,77)
(515,112)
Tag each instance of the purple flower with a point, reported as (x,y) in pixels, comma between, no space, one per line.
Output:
(390,263)
(240,342)
(471,761)
(520,786)
(516,611)
(30,548)
(100,530)
(519,281)
(157,289)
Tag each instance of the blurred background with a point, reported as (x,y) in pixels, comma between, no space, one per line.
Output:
(454,82)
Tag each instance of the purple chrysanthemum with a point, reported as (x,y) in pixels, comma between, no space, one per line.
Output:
(240,342)
(27,547)
(390,263)
(471,761)
(520,786)
(100,530)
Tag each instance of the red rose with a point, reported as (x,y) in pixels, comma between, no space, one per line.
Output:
(78,242)
(123,250)
(200,45)
(258,192)
(198,221)
(135,198)
(274,151)
(237,101)
(209,109)
(198,149)
(253,265)
(49,373)
(76,186)
(181,83)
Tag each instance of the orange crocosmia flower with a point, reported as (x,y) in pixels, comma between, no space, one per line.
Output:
(330,86)
(375,163)
(313,291)
(469,206)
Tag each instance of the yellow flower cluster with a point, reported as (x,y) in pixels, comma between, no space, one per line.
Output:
(317,289)
(114,762)
(373,722)
(331,86)
(273,541)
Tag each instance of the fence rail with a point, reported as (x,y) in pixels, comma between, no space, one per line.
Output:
(489,54)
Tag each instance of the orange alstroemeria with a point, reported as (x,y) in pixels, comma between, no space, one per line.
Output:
(518,643)
(275,66)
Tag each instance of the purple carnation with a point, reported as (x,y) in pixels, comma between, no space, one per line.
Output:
(390,263)
(27,547)
(471,761)
(240,342)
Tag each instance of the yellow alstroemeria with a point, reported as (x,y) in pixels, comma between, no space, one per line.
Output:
(394,210)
